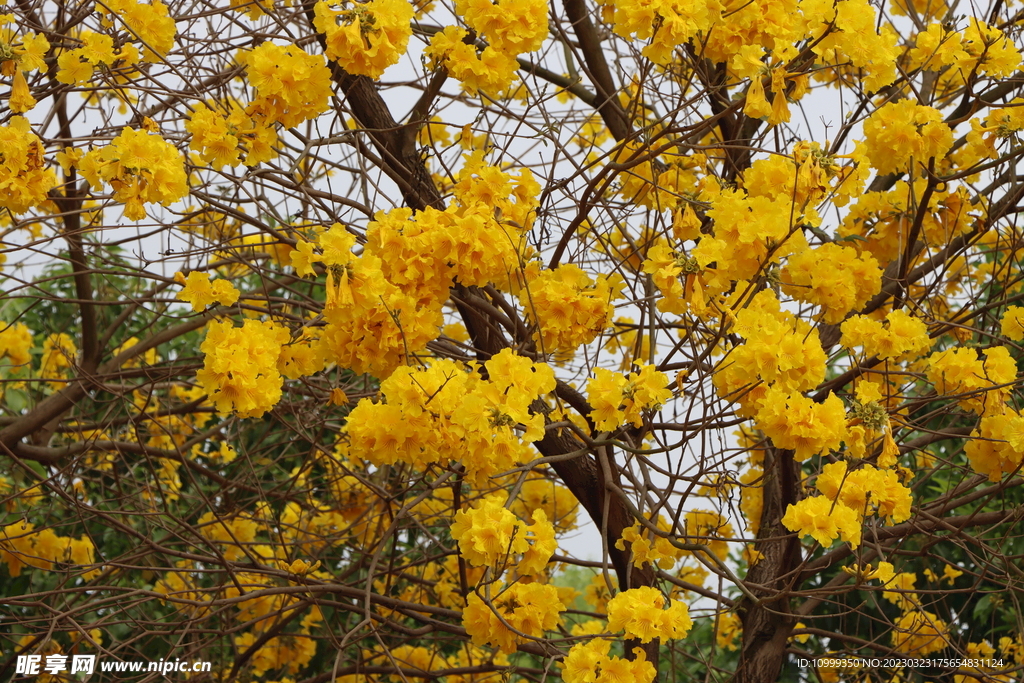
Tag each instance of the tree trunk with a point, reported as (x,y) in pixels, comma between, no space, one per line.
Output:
(768,622)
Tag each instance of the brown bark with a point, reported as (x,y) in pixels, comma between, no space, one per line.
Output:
(768,621)
(596,67)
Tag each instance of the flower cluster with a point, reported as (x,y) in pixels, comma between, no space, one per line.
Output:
(569,308)
(666,23)
(24,178)
(530,608)
(834,277)
(752,29)
(679,278)
(449,412)
(899,132)
(490,71)
(982,385)
(21,545)
(824,521)
(289,653)
(591,662)
(489,535)
(900,336)
(304,356)
(919,633)
(1012,323)
(15,343)
(22,54)
(151,23)
(847,498)
(240,370)
(617,399)
(878,220)
(291,85)
(856,41)
(987,50)
(779,350)
(750,231)
(223,140)
(647,547)
(641,613)
(937,46)
(794,421)
(807,177)
(476,240)
(866,490)
(365,38)
(77,66)
(996,446)
(59,353)
(657,184)
(554,500)
(767,374)
(510,29)
(253,9)
(142,168)
(200,292)
(708,528)
(385,305)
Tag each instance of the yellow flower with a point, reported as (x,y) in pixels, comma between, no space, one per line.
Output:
(793,420)
(152,23)
(512,28)
(919,633)
(32,52)
(303,257)
(491,71)
(98,48)
(780,107)
(291,85)
(488,533)
(756,105)
(142,168)
(200,292)
(837,278)
(898,132)
(303,357)
(583,661)
(72,69)
(365,38)
(639,613)
(59,353)
(301,567)
(21,99)
(15,343)
(555,500)
(541,535)
(24,178)
(531,608)
(883,573)
(728,630)
(902,594)
(1012,324)
(240,369)
(569,307)
(900,336)
(824,521)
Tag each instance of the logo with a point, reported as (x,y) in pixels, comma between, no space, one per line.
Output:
(33,665)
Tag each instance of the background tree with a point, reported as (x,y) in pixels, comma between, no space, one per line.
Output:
(326,324)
